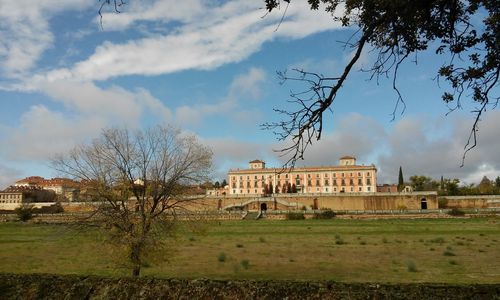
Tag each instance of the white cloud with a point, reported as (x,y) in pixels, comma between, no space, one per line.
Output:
(87,109)
(25,32)
(162,11)
(206,38)
(244,86)
(43,133)
(354,134)
(421,145)
(7,176)
(413,145)
(248,84)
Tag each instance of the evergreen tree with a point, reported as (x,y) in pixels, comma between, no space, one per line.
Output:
(401,182)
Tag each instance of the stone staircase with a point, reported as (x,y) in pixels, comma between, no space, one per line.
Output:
(252,215)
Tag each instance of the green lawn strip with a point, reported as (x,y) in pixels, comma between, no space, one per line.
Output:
(371,250)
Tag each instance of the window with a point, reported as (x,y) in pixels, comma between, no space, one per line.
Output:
(241,185)
(255,184)
(359,174)
(234,185)
(255,177)
(368,181)
(248,184)
(309,182)
(308,175)
(248,177)
(317,175)
(368,174)
(317,189)
(326,182)
(360,181)
(297,176)
(326,190)
(286,176)
(334,189)
(352,189)
(297,182)
(256,191)
(369,188)
(234,177)
(326,175)
(343,181)
(317,182)
(351,182)
(334,174)
(359,189)
(343,175)
(350,174)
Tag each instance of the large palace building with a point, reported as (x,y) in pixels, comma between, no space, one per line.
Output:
(347,177)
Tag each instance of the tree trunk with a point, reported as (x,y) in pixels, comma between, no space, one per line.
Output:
(135,258)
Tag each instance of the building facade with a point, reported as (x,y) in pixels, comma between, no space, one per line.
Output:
(67,188)
(347,177)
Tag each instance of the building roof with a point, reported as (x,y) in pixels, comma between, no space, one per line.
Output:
(40,181)
(303,169)
(31,180)
(348,157)
(255,161)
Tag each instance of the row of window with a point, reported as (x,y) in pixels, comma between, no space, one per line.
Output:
(309,183)
(286,176)
(10,201)
(10,196)
(318,190)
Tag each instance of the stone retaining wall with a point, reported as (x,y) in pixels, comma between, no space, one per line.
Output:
(40,286)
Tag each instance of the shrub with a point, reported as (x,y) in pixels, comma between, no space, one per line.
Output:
(439,240)
(262,240)
(448,253)
(456,212)
(325,214)
(412,267)
(245,264)
(24,213)
(339,242)
(239,245)
(221,257)
(295,216)
(53,209)
(453,262)
(442,202)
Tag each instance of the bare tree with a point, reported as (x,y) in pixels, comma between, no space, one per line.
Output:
(137,181)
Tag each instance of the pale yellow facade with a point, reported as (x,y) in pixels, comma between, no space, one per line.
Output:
(347,177)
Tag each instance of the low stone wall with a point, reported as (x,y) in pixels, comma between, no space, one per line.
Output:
(340,201)
(486,201)
(39,286)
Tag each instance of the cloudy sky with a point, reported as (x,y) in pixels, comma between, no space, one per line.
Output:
(209,68)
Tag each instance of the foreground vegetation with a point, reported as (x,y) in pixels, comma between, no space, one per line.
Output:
(438,250)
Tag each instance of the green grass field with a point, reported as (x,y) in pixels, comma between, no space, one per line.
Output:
(434,250)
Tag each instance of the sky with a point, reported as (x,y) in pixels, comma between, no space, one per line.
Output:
(209,68)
